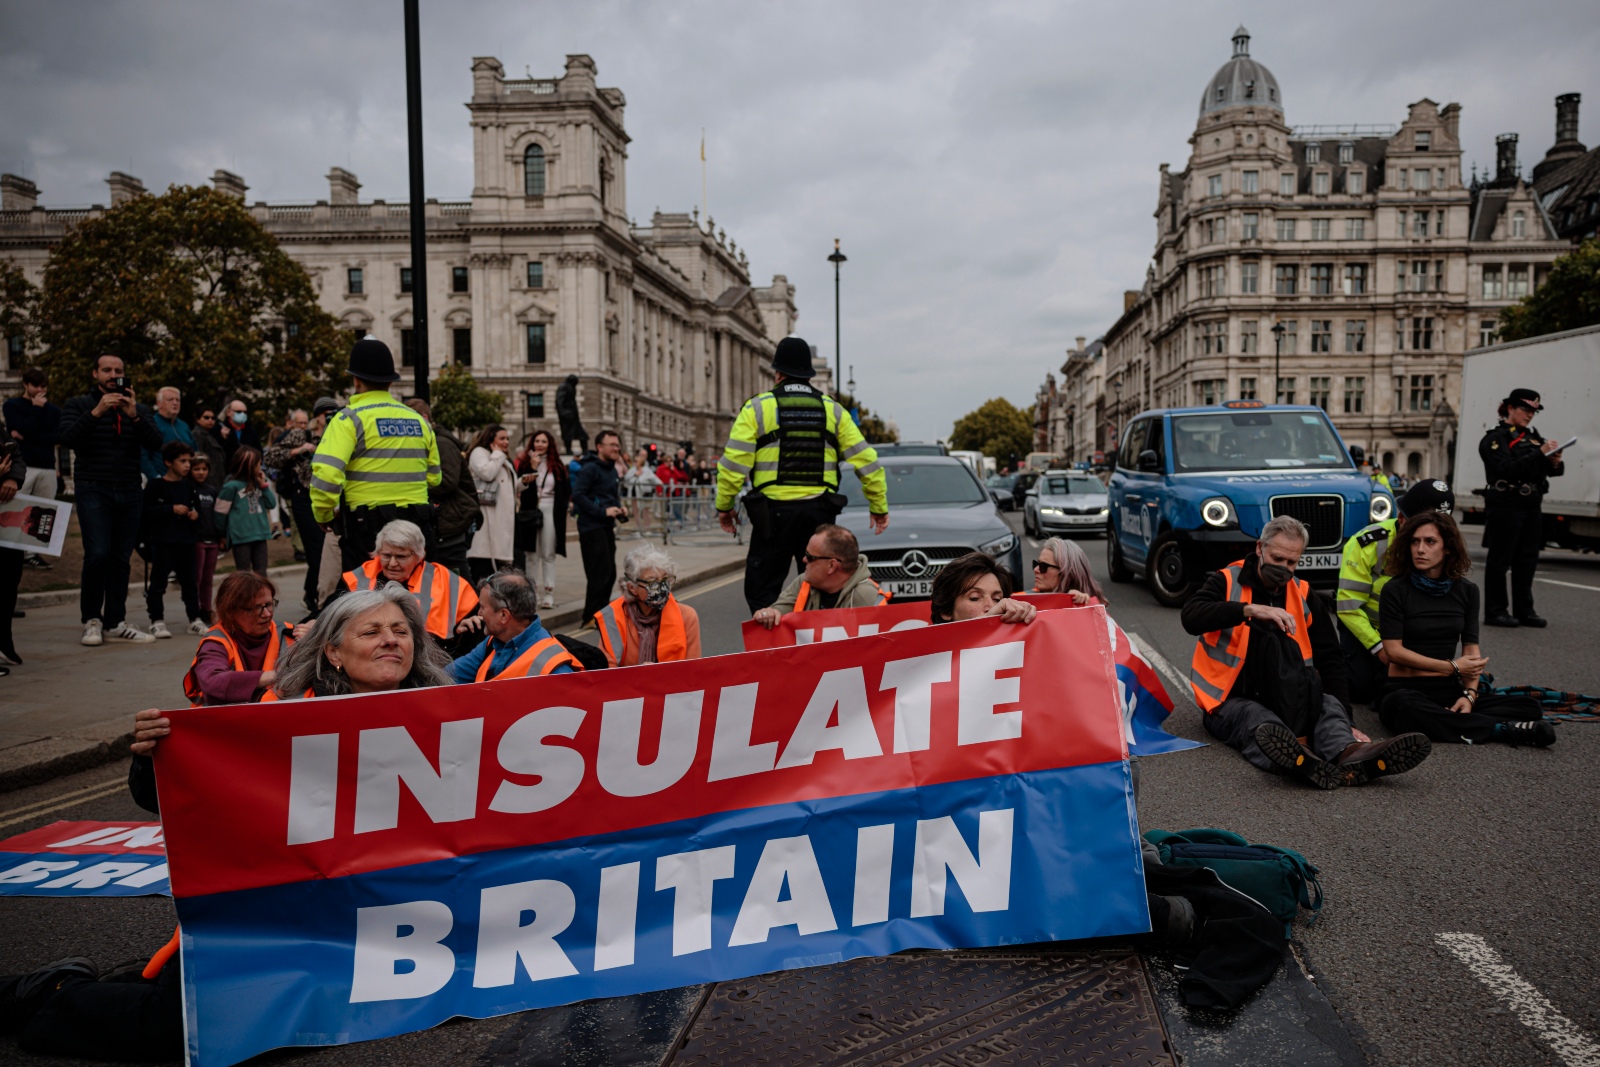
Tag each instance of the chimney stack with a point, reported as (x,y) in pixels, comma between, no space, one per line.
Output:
(1078,347)
(1505,152)
(17,193)
(342,187)
(229,184)
(1450,115)
(1567,116)
(1567,146)
(124,187)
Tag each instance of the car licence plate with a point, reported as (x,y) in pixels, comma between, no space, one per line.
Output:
(921,587)
(1319,561)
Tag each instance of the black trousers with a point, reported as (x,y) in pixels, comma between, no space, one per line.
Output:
(599,549)
(1366,671)
(10,578)
(311,537)
(118,1020)
(1515,537)
(178,561)
(359,526)
(1423,705)
(777,545)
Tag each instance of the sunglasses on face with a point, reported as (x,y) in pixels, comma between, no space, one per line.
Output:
(809,558)
(1041,565)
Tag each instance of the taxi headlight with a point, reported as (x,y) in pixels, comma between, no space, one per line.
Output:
(1218,511)
(1000,546)
(1381,508)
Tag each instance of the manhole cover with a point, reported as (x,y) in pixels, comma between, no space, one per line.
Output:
(956,1008)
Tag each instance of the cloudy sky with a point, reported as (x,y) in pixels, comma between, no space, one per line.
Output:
(990,167)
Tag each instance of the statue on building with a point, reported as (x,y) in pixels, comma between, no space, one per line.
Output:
(567,411)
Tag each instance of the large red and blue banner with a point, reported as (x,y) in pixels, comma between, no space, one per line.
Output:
(357,867)
(85,859)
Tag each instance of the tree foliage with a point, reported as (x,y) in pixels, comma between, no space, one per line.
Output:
(18,296)
(874,428)
(998,429)
(460,403)
(190,291)
(1568,299)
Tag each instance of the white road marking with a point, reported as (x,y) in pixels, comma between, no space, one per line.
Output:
(1569,585)
(1170,673)
(1576,1048)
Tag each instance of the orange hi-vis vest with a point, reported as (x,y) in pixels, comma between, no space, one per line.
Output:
(540,659)
(802,597)
(272,694)
(617,636)
(444,597)
(1219,656)
(280,638)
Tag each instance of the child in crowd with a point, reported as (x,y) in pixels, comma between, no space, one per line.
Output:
(244,510)
(171,528)
(205,550)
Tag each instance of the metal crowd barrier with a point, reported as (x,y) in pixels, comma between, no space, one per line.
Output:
(678,515)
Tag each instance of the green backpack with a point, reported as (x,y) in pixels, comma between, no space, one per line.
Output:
(1279,879)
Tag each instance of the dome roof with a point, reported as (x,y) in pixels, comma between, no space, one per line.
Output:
(1241,81)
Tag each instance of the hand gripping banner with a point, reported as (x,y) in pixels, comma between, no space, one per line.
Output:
(356,867)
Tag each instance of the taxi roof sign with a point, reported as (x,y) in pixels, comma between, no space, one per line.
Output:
(1244,404)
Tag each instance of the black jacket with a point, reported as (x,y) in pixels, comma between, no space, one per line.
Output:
(594,488)
(1209,610)
(163,526)
(454,497)
(1512,462)
(107,446)
(40,428)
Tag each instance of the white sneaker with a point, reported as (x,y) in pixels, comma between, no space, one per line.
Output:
(547,601)
(131,634)
(159,629)
(198,626)
(92,633)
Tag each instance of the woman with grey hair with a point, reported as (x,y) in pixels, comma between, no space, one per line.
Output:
(1062,567)
(646,624)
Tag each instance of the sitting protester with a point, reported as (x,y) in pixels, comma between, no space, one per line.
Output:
(237,659)
(1062,567)
(1427,611)
(646,624)
(1361,582)
(1267,671)
(518,645)
(447,600)
(974,586)
(835,577)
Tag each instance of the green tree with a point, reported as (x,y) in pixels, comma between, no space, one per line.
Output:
(190,291)
(1568,299)
(873,427)
(460,403)
(997,429)
(18,298)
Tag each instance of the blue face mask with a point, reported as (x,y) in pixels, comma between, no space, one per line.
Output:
(240,417)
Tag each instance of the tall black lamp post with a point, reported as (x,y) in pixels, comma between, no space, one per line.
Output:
(419,225)
(837,258)
(1278,330)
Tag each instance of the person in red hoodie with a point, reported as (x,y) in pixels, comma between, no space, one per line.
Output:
(674,475)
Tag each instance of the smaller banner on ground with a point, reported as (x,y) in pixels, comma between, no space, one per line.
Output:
(34,524)
(85,859)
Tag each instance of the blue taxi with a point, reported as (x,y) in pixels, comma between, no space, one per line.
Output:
(1191,488)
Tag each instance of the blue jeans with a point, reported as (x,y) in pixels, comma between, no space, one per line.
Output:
(108,516)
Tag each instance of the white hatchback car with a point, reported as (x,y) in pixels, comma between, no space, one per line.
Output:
(1065,502)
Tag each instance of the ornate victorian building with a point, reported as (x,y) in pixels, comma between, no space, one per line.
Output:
(541,274)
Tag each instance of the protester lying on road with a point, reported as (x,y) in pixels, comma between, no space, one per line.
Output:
(1062,567)
(835,577)
(1267,671)
(237,659)
(1426,611)
(646,624)
(518,645)
(975,586)
(447,600)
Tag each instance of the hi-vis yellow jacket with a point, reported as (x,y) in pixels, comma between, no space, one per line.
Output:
(376,451)
(789,442)
(1361,580)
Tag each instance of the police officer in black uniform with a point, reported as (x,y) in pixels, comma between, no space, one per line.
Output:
(1518,463)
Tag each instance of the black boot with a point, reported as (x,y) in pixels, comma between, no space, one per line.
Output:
(1279,744)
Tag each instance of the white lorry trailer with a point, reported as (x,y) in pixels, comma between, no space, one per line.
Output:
(1565,369)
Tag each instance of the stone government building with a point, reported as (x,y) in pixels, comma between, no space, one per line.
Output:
(1381,260)
(539,275)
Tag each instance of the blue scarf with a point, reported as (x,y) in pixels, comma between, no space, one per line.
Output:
(1432,586)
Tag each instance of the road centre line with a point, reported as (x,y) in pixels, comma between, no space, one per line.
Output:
(1569,585)
(108,790)
(62,796)
(1180,687)
(1576,1048)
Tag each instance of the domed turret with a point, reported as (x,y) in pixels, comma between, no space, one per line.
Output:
(1241,82)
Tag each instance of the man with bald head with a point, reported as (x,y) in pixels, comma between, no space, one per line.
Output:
(167,419)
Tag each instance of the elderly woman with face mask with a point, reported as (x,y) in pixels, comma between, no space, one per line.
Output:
(646,624)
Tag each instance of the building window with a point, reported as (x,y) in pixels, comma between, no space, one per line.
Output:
(1355,229)
(1286,229)
(1419,275)
(1251,226)
(1438,223)
(1421,392)
(536,343)
(408,348)
(1399,405)
(1320,390)
(1419,224)
(1208,390)
(1347,152)
(1355,279)
(1286,185)
(354,281)
(1355,181)
(1492,288)
(405,280)
(1486,332)
(1248,336)
(535,406)
(1355,395)
(1211,281)
(1517,282)
(1401,173)
(1438,275)
(1355,335)
(1291,337)
(1321,336)
(1422,141)
(1214,185)
(1286,390)
(1247,388)
(1321,229)
(1284,279)
(1213,338)
(533,171)
(16,353)
(1422,180)
(1252,181)
(1321,279)
(535,274)
(461,346)
(1422,334)
(1248,273)
(459,279)
(1519,224)
(1321,181)
(1314,152)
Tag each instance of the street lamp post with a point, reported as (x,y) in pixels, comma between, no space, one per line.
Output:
(419,224)
(837,258)
(1278,330)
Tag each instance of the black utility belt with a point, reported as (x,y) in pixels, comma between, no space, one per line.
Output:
(1521,488)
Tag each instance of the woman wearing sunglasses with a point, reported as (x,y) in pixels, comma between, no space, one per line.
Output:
(1062,567)
(646,624)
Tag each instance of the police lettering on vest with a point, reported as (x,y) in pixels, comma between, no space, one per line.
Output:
(376,451)
(1219,656)
(444,596)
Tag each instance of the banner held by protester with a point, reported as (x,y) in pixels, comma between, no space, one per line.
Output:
(85,859)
